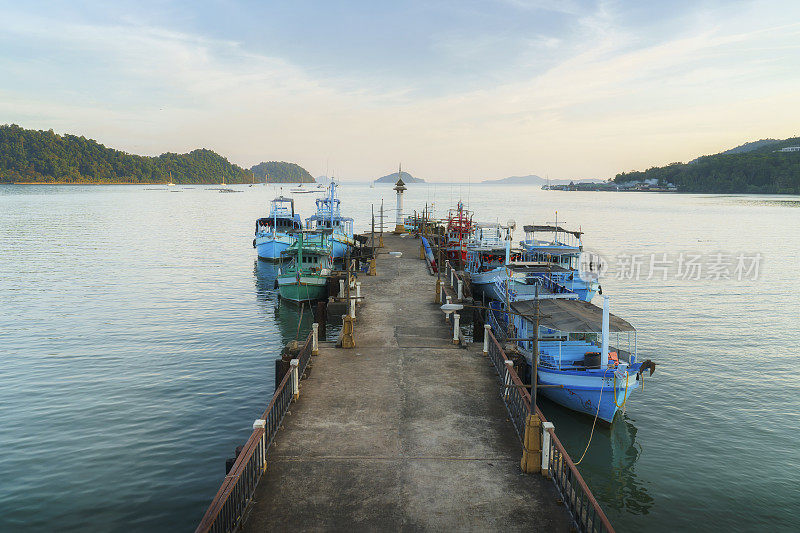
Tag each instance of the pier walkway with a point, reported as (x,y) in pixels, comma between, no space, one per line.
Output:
(404,432)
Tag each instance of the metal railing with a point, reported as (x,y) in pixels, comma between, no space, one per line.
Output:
(576,495)
(228,507)
(452,278)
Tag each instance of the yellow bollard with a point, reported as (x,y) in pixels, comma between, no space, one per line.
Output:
(532,446)
(421,250)
(348,337)
(373,271)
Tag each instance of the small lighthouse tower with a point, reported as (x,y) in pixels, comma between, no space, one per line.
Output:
(400,187)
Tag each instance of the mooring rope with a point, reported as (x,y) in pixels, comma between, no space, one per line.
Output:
(599,400)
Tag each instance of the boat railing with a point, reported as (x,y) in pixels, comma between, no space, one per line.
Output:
(586,513)
(228,507)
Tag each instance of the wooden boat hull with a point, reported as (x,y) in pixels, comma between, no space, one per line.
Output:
(309,288)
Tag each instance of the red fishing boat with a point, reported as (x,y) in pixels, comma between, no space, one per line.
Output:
(460,231)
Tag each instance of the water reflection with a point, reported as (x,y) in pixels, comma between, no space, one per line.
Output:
(293,321)
(610,461)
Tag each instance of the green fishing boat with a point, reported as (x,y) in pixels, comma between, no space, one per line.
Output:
(305,278)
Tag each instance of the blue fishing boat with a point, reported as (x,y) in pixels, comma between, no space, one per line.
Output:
(587,357)
(329,218)
(499,272)
(561,253)
(274,234)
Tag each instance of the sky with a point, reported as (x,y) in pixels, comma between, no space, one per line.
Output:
(454,90)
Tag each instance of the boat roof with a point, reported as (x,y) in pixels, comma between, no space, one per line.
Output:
(552,249)
(294,217)
(536,267)
(548,228)
(327,216)
(573,316)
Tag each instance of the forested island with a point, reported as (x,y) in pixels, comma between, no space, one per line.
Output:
(392,178)
(768,166)
(281,172)
(46,157)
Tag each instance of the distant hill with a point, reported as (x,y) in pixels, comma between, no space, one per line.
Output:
(533,179)
(44,156)
(757,167)
(392,178)
(281,172)
(530,179)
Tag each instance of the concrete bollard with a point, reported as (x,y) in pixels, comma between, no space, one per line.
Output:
(447,317)
(351,308)
(372,268)
(507,379)
(314,339)
(460,290)
(348,339)
(358,291)
(341,288)
(546,448)
(456,331)
(486,329)
(295,368)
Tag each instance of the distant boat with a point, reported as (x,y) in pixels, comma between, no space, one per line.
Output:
(305,279)
(301,190)
(275,233)
(171,184)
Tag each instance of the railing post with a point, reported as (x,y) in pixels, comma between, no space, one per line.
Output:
(295,367)
(456,331)
(487,329)
(341,288)
(438,298)
(460,290)
(446,316)
(261,423)
(507,378)
(358,291)
(546,448)
(351,308)
(315,339)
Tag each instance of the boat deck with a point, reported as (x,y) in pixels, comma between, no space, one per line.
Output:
(404,432)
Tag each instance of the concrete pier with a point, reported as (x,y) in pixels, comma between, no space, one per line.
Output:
(406,431)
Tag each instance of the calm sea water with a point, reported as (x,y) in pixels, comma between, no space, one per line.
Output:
(138,333)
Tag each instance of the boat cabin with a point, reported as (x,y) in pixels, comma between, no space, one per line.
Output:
(570,333)
(281,219)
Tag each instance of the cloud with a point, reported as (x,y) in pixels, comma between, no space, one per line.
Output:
(613,98)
